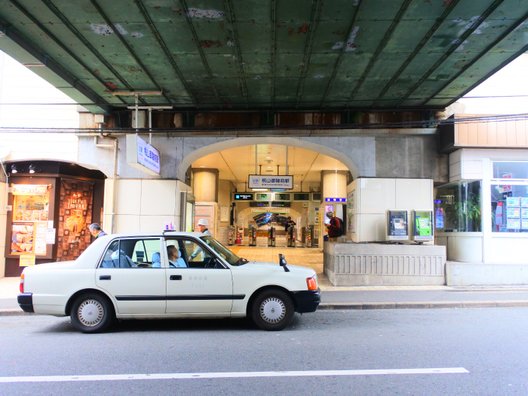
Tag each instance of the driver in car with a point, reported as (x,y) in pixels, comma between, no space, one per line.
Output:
(175,259)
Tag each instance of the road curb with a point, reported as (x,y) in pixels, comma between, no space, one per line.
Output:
(380,305)
(422,305)
(12,312)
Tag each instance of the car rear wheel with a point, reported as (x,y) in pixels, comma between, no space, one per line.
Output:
(272,310)
(92,313)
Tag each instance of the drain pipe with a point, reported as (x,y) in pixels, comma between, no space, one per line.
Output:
(111,206)
(114,189)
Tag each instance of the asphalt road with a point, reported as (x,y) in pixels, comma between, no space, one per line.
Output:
(472,351)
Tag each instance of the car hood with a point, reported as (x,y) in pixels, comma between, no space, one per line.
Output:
(276,267)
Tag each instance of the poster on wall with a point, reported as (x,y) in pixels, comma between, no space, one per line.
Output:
(513,213)
(75,214)
(30,218)
(524,218)
(22,238)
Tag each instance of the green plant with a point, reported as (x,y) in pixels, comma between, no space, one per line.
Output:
(468,213)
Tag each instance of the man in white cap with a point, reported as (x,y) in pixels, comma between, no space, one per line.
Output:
(202,226)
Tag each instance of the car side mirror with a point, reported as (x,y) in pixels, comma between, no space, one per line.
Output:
(283,263)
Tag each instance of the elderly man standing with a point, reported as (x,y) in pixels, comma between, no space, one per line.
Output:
(96,230)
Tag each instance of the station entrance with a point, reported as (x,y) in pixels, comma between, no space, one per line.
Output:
(269,195)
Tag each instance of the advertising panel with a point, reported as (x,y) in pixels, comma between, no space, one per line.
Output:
(397,227)
(423,225)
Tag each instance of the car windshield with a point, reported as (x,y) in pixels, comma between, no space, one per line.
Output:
(223,252)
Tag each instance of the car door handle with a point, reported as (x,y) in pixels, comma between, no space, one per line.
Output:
(105,277)
(175,277)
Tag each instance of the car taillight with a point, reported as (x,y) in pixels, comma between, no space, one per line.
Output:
(311,283)
(21,286)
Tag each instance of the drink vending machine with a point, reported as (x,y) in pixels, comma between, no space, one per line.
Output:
(239,238)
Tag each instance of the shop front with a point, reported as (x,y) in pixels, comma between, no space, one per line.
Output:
(49,206)
(481,216)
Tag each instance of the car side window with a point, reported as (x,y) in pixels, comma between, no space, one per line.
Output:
(177,257)
(197,257)
(146,253)
(131,253)
(116,257)
(189,253)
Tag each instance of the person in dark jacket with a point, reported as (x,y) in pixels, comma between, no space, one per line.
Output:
(334,227)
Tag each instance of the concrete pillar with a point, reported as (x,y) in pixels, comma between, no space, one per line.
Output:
(334,184)
(205,185)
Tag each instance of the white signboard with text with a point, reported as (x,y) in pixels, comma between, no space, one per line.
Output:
(273,182)
(142,155)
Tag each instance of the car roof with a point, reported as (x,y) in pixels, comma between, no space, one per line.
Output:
(152,234)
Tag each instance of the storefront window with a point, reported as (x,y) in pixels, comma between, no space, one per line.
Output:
(509,197)
(457,207)
(30,218)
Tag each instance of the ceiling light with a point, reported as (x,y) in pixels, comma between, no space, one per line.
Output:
(14,169)
(32,168)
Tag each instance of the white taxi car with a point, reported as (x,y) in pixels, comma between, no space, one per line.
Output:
(130,276)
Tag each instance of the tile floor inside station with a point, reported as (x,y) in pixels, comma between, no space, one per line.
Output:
(306,257)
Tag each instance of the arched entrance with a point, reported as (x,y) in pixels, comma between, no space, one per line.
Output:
(239,207)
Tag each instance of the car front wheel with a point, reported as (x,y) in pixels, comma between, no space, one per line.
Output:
(91,313)
(272,310)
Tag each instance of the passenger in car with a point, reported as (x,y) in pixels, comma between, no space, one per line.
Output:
(156,260)
(174,257)
(117,259)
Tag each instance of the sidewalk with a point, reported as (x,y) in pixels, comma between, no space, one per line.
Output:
(361,297)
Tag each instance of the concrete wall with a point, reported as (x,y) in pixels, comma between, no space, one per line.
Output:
(366,156)
(411,157)
(372,198)
(141,205)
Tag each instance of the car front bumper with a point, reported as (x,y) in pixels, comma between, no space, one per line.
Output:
(307,300)
(25,300)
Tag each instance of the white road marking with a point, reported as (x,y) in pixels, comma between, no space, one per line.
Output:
(235,374)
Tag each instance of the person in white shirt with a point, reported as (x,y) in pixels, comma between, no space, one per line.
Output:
(202,226)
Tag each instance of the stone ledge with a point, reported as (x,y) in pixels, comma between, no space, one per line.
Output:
(377,264)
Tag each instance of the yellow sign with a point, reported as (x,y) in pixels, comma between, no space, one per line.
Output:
(29,189)
(27,260)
